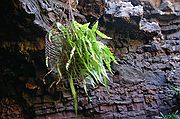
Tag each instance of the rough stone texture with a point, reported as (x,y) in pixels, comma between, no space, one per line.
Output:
(129,74)
(169,25)
(150,64)
(52,11)
(123,9)
(149,27)
(142,87)
(9,109)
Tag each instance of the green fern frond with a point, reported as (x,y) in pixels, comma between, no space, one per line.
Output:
(83,58)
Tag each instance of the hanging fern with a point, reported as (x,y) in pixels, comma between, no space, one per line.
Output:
(79,55)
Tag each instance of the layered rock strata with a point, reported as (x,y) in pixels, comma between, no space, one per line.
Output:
(148,52)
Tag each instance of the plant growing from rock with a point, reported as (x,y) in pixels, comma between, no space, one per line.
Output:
(177,93)
(170,116)
(177,90)
(81,58)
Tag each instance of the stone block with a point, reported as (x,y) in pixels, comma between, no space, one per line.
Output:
(130,107)
(138,99)
(121,108)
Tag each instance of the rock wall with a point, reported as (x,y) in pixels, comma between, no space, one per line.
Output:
(147,50)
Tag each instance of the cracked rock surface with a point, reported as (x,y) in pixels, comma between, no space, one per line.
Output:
(145,41)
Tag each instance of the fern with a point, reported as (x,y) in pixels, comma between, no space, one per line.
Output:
(84,59)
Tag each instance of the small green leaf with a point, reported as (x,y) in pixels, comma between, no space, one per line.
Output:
(102,35)
(73,93)
(59,74)
(85,26)
(95,27)
(69,61)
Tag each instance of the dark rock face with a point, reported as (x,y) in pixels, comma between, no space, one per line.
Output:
(47,12)
(167,16)
(143,82)
(92,9)
(10,109)
(150,27)
(129,74)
